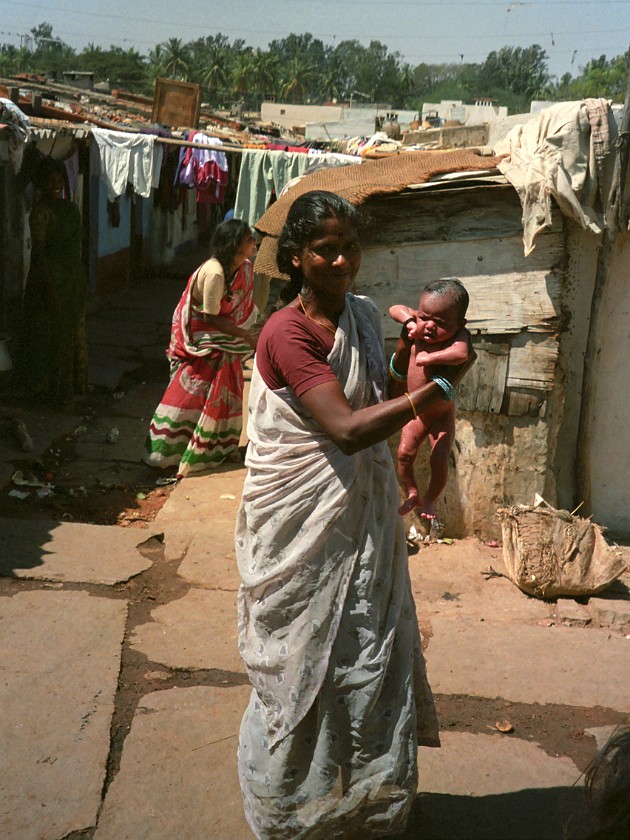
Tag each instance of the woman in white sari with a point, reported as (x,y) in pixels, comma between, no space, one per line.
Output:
(327,622)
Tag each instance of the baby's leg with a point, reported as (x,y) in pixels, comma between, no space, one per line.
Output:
(412,435)
(441,437)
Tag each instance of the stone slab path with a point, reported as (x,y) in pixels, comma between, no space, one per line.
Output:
(122,689)
(59,659)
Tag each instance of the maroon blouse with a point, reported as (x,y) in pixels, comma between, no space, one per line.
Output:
(293,350)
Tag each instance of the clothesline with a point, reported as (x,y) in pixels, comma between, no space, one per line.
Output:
(171,141)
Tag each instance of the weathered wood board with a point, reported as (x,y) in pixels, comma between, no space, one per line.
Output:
(532,361)
(508,292)
(483,388)
(444,212)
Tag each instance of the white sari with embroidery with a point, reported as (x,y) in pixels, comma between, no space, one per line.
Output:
(327,622)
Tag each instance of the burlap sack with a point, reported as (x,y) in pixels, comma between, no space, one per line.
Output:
(549,552)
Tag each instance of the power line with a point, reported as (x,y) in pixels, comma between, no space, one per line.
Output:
(438,3)
(473,4)
(557,34)
(498,36)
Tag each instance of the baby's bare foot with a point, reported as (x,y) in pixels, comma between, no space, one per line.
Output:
(409,504)
(427,511)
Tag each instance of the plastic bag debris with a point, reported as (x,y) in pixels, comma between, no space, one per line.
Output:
(22,480)
(113,435)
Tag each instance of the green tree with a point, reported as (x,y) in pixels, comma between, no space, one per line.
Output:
(264,72)
(242,74)
(311,49)
(370,73)
(50,54)
(42,34)
(299,78)
(119,67)
(601,77)
(174,59)
(154,64)
(331,81)
(12,59)
(516,74)
(348,56)
(215,70)
(407,81)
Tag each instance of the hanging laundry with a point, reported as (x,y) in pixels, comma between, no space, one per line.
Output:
(133,158)
(323,160)
(72,170)
(262,175)
(204,169)
(19,128)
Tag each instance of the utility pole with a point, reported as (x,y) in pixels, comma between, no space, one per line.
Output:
(616,217)
(25,40)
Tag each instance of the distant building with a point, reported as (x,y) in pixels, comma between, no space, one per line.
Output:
(484,110)
(329,122)
(79,78)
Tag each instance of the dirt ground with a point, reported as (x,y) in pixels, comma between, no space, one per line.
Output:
(126,504)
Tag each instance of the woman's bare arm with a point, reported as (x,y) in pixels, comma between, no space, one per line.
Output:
(356,430)
(352,430)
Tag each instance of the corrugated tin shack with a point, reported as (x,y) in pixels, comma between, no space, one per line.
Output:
(519,411)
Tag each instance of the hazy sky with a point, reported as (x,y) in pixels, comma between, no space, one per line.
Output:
(434,31)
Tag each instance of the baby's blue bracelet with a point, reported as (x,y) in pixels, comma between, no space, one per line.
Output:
(399,377)
(445,385)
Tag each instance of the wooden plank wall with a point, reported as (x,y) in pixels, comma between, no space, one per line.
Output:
(515,302)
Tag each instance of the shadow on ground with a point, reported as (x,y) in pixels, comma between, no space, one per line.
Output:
(536,814)
(16,552)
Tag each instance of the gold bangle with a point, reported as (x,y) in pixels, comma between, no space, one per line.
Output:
(413,408)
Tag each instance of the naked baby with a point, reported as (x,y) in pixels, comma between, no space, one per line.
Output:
(439,337)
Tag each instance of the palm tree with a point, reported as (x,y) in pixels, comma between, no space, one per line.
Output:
(154,66)
(331,83)
(264,72)
(241,75)
(299,78)
(214,73)
(405,87)
(175,59)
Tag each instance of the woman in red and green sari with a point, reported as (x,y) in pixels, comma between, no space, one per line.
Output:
(198,423)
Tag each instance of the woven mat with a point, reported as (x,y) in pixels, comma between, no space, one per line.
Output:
(359,183)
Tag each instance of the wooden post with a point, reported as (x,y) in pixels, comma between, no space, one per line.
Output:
(616,218)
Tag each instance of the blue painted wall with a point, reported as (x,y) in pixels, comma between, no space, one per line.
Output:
(112,239)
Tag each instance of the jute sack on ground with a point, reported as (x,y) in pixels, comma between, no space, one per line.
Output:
(549,552)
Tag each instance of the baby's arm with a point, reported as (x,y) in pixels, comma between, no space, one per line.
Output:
(404,315)
(455,354)
(401,313)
